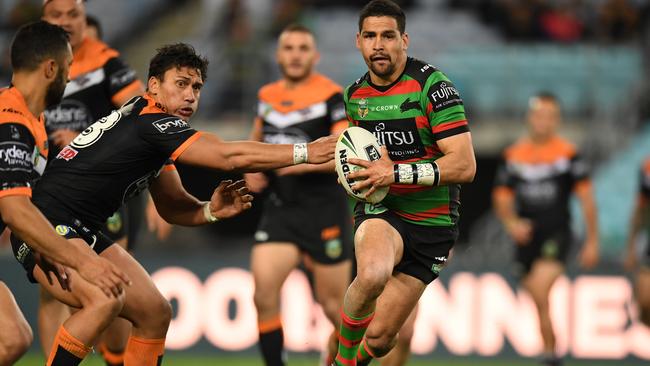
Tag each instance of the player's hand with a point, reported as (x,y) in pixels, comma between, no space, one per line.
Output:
(321,150)
(105,275)
(155,223)
(631,261)
(53,269)
(589,254)
(256,182)
(63,137)
(230,199)
(378,173)
(521,230)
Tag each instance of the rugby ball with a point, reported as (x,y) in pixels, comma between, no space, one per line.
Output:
(356,142)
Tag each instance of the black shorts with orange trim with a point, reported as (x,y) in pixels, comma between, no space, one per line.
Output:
(553,244)
(321,227)
(426,248)
(67,227)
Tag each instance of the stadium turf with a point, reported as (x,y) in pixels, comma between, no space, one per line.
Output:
(185,359)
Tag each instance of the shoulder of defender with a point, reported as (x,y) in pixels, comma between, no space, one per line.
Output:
(268,91)
(11,111)
(101,49)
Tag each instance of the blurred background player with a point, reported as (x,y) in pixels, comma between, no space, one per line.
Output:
(402,243)
(99,82)
(93,28)
(305,212)
(531,198)
(641,220)
(40,59)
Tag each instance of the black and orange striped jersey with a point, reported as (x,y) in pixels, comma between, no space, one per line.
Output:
(301,114)
(99,79)
(542,177)
(23,146)
(112,161)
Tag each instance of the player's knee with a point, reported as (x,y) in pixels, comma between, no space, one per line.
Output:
(331,308)
(162,313)
(381,343)
(265,300)
(16,345)
(372,280)
(108,306)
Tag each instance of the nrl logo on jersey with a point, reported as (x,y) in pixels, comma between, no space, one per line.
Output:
(363,108)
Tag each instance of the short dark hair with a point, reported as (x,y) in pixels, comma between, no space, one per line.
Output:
(36,42)
(295,27)
(94,22)
(546,96)
(177,55)
(383,8)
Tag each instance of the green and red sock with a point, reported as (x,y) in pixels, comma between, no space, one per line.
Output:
(350,336)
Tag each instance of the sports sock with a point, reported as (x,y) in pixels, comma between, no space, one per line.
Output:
(144,352)
(351,334)
(272,341)
(364,355)
(111,358)
(67,350)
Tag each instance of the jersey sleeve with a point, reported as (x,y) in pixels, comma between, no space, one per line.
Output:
(168,134)
(504,177)
(16,163)
(444,107)
(122,81)
(336,112)
(579,169)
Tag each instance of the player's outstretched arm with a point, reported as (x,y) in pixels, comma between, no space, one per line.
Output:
(27,222)
(589,252)
(250,156)
(177,206)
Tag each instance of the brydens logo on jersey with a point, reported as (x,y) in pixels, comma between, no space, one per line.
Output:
(171,125)
(15,156)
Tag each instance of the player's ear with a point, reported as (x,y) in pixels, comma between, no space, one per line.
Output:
(405,38)
(50,68)
(358,42)
(153,85)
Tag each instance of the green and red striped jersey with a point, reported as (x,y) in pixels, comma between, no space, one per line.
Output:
(409,116)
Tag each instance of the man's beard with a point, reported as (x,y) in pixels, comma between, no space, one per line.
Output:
(292,78)
(387,71)
(55,90)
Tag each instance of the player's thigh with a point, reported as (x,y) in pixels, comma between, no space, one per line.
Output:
(377,245)
(331,280)
(11,318)
(542,276)
(395,304)
(271,263)
(143,300)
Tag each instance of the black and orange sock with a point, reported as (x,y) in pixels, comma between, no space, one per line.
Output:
(364,354)
(144,352)
(111,358)
(272,341)
(67,350)
(350,336)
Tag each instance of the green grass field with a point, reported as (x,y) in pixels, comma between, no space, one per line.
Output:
(185,359)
